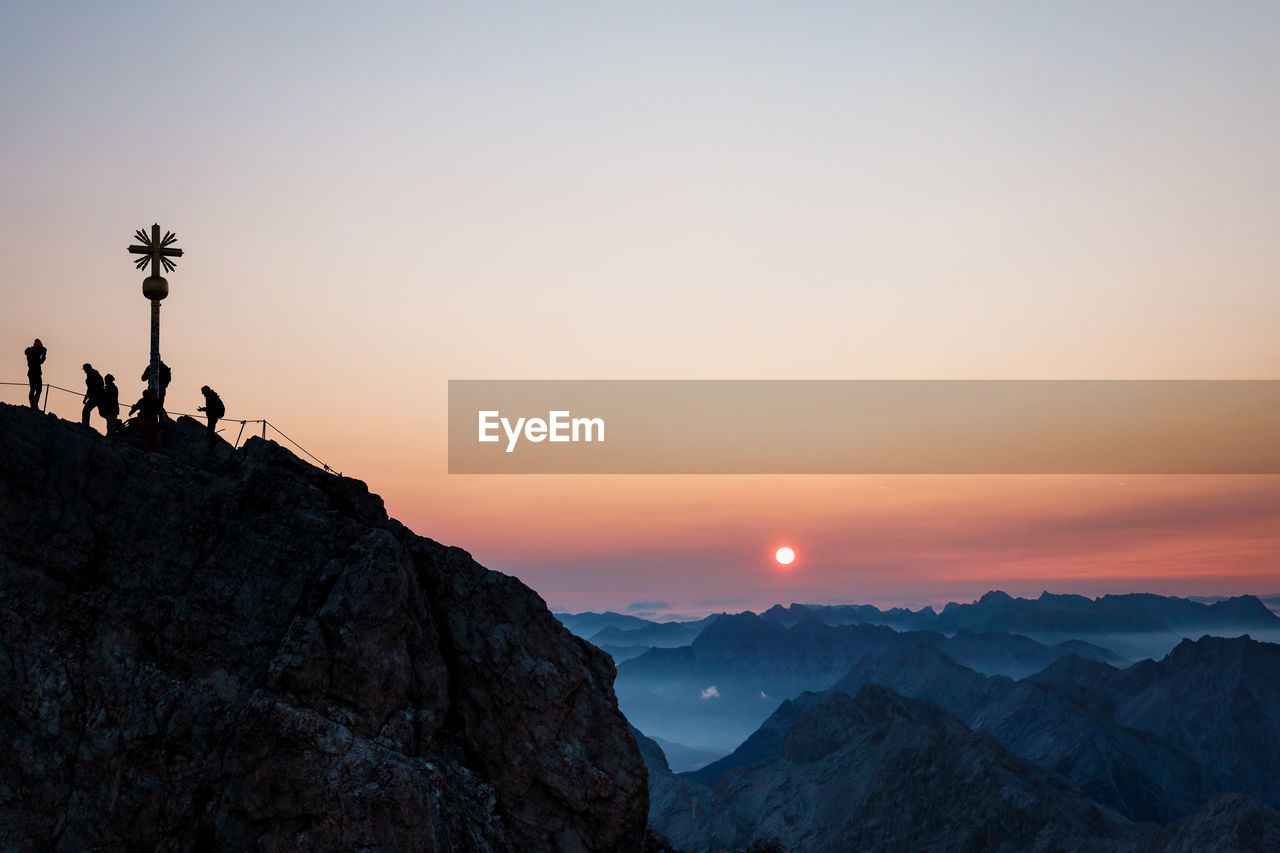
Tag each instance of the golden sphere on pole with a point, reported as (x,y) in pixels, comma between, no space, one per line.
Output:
(155,287)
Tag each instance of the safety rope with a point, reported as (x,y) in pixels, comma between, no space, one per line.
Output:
(242,421)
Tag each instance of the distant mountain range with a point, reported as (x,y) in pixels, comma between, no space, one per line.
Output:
(712,693)
(1002,724)
(995,611)
(1272,601)
(810,652)
(585,625)
(1080,756)
(1132,626)
(1076,614)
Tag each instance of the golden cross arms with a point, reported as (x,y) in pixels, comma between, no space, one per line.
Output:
(156,251)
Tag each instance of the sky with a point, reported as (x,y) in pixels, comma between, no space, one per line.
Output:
(377,198)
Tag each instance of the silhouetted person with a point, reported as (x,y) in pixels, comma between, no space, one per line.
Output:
(212,408)
(149,410)
(92,392)
(166,376)
(109,405)
(35,357)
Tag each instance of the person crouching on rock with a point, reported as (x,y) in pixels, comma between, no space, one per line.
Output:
(35,357)
(92,392)
(212,408)
(109,405)
(150,411)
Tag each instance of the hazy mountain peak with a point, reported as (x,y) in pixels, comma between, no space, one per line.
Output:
(1077,671)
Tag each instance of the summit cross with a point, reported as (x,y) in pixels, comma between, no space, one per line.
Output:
(156,251)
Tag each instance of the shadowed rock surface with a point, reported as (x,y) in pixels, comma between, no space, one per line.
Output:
(682,808)
(1063,726)
(1154,742)
(1230,823)
(1217,699)
(204,648)
(879,772)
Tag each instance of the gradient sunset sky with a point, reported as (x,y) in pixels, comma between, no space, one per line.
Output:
(377,198)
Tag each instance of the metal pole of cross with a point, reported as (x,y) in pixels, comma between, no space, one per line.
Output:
(156,252)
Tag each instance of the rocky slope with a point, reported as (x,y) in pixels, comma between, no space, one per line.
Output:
(1217,699)
(1229,823)
(1070,729)
(204,648)
(680,806)
(1154,741)
(879,772)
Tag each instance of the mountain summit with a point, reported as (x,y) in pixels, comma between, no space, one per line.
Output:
(208,648)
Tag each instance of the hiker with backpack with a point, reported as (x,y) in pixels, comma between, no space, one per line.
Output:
(212,408)
(166,376)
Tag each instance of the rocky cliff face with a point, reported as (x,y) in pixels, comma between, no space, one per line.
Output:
(204,648)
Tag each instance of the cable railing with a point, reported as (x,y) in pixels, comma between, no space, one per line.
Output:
(265,424)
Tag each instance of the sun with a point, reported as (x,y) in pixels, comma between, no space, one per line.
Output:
(785,556)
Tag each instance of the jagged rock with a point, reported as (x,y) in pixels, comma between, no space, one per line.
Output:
(676,805)
(1230,823)
(1218,700)
(203,648)
(1062,718)
(1207,697)
(879,772)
